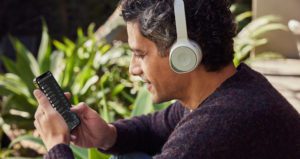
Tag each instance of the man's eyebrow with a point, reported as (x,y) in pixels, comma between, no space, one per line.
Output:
(137,50)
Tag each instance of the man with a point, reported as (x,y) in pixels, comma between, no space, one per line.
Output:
(221,111)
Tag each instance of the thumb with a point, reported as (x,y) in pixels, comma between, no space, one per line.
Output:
(73,138)
(43,101)
(68,95)
(79,109)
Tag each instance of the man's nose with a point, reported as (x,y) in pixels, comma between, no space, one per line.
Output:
(135,67)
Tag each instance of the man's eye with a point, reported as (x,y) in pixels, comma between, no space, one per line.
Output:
(139,56)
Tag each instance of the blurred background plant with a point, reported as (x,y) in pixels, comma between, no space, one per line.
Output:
(251,36)
(96,72)
(250,33)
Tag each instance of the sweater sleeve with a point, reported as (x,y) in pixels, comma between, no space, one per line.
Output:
(146,133)
(59,151)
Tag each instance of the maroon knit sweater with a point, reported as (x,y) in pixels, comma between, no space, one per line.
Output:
(245,118)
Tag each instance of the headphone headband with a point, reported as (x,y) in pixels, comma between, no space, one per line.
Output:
(180,19)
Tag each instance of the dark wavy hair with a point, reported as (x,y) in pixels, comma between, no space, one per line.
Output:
(210,23)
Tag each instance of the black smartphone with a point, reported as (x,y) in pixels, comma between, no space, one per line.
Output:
(49,86)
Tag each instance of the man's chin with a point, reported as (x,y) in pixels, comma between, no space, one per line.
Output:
(159,100)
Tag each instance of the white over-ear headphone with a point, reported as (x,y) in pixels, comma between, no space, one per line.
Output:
(185,55)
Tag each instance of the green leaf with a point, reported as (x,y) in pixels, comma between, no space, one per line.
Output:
(105,48)
(267,28)
(59,45)
(119,108)
(143,103)
(82,78)
(89,83)
(9,64)
(4,91)
(95,154)
(243,16)
(80,33)
(26,137)
(68,72)
(119,88)
(14,84)
(23,157)
(34,65)
(24,63)
(44,50)
(162,106)
(91,29)
(12,102)
(80,36)
(127,96)
(20,103)
(57,65)
(79,153)
(70,46)
(20,122)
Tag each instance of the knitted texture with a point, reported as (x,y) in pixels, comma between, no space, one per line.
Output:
(60,151)
(245,118)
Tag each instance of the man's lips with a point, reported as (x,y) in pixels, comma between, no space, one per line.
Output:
(149,87)
(147,82)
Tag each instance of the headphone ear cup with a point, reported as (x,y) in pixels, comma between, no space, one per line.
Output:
(185,56)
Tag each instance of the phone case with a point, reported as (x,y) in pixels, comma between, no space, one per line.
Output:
(49,86)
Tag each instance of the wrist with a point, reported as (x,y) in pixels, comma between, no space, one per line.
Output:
(60,139)
(111,137)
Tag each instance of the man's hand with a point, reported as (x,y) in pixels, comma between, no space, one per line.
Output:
(49,123)
(93,131)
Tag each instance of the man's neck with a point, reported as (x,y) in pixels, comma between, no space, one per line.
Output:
(202,84)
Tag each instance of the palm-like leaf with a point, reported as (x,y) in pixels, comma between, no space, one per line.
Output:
(250,36)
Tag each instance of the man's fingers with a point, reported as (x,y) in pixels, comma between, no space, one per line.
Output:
(43,101)
(38,113)
(38,126)
(79,109)
(68,95)
(73,138)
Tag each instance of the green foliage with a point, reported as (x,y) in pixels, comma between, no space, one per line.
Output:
(251,36)
(94,72)
(143,99)
(28,138)
(241,11)
(80,68)
(94,154)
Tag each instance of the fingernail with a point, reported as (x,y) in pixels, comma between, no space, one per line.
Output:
(73,137)
(37,93)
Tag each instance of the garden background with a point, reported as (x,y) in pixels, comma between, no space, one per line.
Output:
(83,43)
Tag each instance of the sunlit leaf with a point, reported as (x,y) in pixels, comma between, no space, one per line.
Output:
(143,103)
(44,52)
(79,153)
(26,137)
(94,153)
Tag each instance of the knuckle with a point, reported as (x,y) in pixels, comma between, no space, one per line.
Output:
(52,115)
(82,104)
(37,115)
(35,123)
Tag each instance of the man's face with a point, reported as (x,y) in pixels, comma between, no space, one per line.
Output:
(146,62)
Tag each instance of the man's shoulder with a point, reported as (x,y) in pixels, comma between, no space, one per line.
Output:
(237,129)
(247,91)
(244,117)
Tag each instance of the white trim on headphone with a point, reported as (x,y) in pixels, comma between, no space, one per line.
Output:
(180,20)
(185,55)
